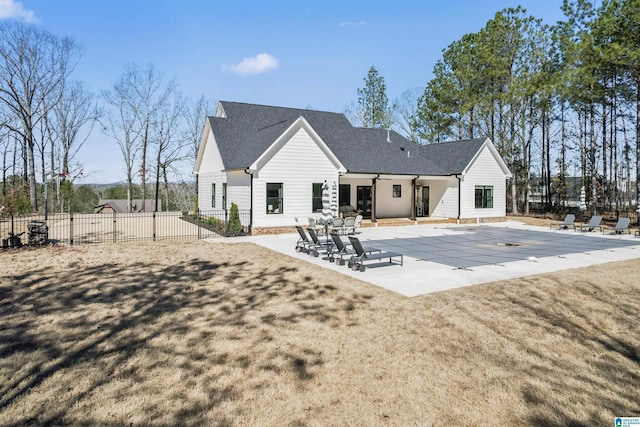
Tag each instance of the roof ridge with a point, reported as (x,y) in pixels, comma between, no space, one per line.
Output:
(281,107)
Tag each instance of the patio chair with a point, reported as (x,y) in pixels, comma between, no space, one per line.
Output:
(336,225)
(349,226)
(357,260)
(303,243)
(622,226)
(357,224)
(593,224)
(569,221)
(313,223)
(341,250)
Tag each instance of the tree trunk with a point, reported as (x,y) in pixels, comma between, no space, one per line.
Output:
(605,180)
(32,169)
(592,160)
(638,147)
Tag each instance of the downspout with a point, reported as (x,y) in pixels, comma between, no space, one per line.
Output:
(250,172)
(459,196)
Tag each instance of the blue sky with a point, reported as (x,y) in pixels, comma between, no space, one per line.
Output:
(288,53)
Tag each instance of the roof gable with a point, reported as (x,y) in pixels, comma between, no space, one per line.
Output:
(300,123)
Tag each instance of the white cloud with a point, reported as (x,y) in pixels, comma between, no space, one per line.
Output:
(14,9)
(254,65)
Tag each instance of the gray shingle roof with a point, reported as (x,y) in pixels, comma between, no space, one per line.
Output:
(249,129)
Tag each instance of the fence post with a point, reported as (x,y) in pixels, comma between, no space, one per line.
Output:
(114,227)
(70,228)
(198,222)
(226,222)
(154,226)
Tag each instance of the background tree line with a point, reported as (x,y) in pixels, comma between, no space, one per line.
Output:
(46,117)
(557,100)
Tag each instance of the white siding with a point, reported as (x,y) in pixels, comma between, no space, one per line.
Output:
(239,189)
(210,172)
(484,171)
(443,197)
(297,165)
(389,207)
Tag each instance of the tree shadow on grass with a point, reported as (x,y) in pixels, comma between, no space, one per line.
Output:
(585,368)
(129,322)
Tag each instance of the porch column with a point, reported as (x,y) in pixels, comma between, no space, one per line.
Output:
(373,200)
(413,199)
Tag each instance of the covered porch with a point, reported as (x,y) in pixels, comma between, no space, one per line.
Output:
(398,197)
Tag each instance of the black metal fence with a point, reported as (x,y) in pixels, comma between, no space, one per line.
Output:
(75,229)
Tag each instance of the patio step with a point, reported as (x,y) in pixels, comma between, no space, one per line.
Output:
(393,222)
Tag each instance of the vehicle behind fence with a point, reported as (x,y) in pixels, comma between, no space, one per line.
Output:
(76,229)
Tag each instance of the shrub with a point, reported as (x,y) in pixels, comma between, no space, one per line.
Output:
(235,226)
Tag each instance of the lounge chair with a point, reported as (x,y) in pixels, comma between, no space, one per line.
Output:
(340,250)
(303,243)
(318,247)
(569,221)
(593,224)
(621,227)
(361,255)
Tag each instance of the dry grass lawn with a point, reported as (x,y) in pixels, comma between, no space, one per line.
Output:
(194,333)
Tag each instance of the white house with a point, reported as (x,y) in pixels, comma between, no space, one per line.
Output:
(273,161)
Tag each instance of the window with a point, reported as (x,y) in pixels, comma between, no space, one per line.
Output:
(213,195)
(224,195)
(274,198)
(345,194)
(484,196)
(316,198)
(397,190)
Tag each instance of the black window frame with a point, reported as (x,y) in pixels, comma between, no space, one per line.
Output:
(345,194)
(397,191)
(213,195)
(279,198)
(483,196)
(224,195)
(316,198)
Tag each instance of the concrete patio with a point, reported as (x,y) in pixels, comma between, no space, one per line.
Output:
(446,256)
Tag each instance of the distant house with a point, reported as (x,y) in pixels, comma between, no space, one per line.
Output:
(120,206)
(274,161)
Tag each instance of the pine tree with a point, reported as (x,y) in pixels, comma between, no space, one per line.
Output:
(373,101)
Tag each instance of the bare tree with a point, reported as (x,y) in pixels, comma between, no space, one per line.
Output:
(121,125)
(34,65)
(405,111)
(151,93)
(355,114)
(195,115)
(76,110)
(169,143)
